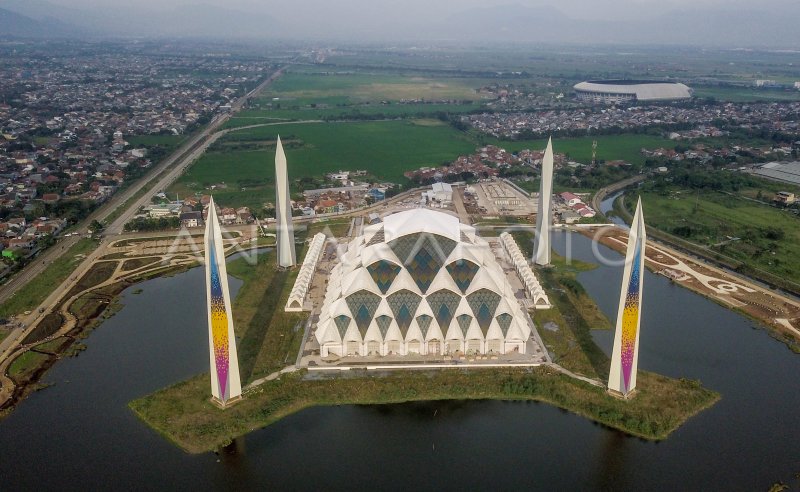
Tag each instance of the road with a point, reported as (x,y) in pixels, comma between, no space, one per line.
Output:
(184,155)
(602,193)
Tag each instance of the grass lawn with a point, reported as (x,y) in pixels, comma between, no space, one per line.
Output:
(769,238)
(53,345)
(565,327)
(266,338)
(184,415)
(331,227)
(25,365)
(37,290)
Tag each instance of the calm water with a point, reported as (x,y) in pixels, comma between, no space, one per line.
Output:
(79,434)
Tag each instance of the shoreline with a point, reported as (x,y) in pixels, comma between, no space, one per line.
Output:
(732,292)
(202,427)
(79,327)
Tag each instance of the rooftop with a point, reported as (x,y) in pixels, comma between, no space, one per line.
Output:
(421,220)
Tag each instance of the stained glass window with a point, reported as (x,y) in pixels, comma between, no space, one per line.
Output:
(403,304)
(423,255)
(376,238)
(342,323)
(504,320)
(444,303)
(383,273)
(424,322)
(483,303)
(383,322)
(463,323)
(363,305)
(462,271)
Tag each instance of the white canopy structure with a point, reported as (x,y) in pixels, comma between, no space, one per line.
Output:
(420,283)
(532,285)
(303,281)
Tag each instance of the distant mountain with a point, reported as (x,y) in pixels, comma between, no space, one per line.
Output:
(124,20)
(18,25)
(14,24)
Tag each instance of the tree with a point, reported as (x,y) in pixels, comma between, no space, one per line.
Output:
(96,226)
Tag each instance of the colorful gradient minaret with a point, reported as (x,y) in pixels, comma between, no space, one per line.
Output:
(225,384)
(625,355)
(544,213)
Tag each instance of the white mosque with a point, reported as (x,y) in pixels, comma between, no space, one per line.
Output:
(421,282)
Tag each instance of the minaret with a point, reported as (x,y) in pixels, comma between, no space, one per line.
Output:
(625,355)
(225,384)
(283,211)
(544,214)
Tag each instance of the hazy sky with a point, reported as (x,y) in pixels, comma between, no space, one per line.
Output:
(702,22)
(340,9)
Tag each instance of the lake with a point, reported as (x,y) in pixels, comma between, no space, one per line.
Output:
(79,434)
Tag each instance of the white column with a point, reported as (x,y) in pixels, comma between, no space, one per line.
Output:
(544,214)
(283,211)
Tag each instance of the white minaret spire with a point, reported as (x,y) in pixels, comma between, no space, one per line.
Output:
(625,354)
(283,210)
(225,383)
(544,214)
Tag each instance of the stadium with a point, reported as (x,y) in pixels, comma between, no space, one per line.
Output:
(630,91)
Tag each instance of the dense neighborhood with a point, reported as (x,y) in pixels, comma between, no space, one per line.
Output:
(75,128)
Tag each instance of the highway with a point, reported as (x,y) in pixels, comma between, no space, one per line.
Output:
(602,193)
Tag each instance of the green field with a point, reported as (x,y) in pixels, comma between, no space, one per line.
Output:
(370,86)
(305,95)
(37,290)
(745,94)
(769,238)
(169,142)
(386,149)
(344,112)
(243,159)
